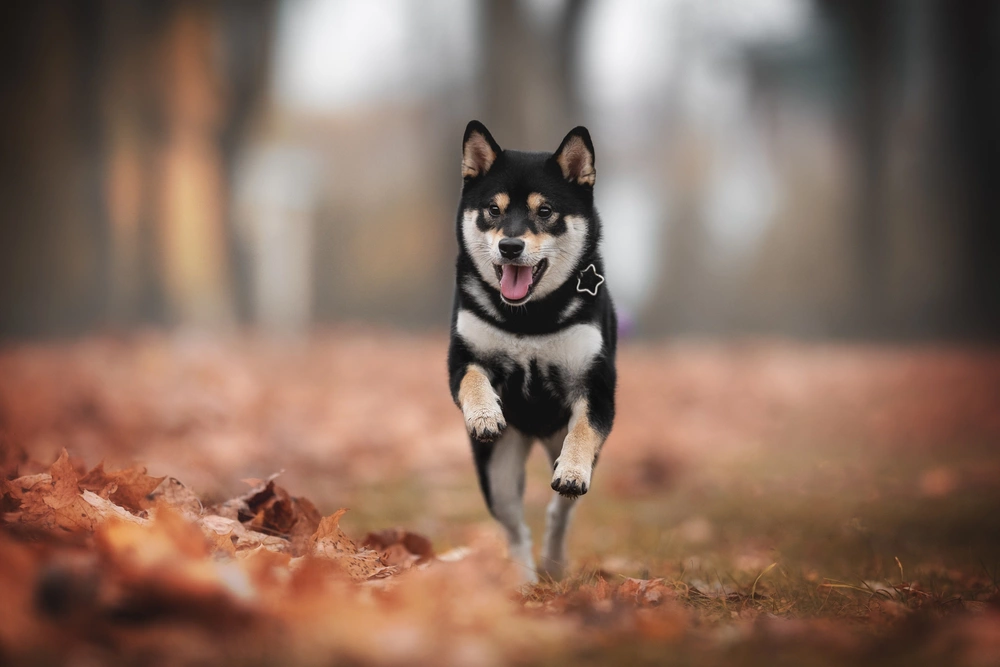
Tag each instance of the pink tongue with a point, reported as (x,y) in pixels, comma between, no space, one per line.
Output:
(515,281)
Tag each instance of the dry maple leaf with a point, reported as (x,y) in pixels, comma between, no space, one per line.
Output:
(244,507)
(232,538)
(52,501)
(173,493)
(278,513)
(330,542)
(129,488)
(270,509)
(220,533)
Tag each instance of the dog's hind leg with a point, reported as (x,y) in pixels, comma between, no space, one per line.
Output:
(501,476)
(557,520)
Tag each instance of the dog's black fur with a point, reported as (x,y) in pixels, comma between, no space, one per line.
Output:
(536,401)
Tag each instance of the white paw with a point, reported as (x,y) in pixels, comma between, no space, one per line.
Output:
(571,479)
(485,423)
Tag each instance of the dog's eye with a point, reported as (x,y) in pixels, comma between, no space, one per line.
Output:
(544,211)
(494,211)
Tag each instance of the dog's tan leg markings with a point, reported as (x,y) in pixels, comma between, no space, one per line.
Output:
(480,405)
(576,460)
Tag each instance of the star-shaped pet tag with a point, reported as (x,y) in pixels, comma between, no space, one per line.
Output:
(589,280)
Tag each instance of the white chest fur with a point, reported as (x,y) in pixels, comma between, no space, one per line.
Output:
(571,350)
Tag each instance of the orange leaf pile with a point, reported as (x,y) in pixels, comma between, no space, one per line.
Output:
(55,500)
(262,574)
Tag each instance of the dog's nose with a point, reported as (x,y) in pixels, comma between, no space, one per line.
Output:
(511,248)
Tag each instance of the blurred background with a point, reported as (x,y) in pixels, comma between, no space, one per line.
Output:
(227,247)
(812,168)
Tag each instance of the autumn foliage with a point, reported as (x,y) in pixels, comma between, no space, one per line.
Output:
(109,564)
(244,577)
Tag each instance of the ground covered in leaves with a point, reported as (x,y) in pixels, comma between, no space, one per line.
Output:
(182,500)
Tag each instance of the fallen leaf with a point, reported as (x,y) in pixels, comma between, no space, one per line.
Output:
(173,493)
(399,547)
(52,501)
(245,506)
(269,508)
(129,488)
(644,592)
(232,537)
(330,542)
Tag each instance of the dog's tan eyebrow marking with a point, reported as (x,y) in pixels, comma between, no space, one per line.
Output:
(502,200)
(535,200)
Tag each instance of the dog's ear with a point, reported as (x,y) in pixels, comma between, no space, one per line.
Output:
(575,157)
(479,150)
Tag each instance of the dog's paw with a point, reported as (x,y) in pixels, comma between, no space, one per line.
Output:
(485,424)
(571,480)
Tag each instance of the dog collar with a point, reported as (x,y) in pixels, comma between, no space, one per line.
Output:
(589,280)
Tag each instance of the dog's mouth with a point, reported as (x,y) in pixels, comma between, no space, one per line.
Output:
(517,281)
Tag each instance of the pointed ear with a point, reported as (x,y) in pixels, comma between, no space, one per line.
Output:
(575,157)
(479,150)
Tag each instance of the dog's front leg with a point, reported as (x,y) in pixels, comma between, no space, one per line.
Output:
(480,405)
(575,464)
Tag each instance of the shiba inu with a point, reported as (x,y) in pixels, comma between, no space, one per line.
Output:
(533,329)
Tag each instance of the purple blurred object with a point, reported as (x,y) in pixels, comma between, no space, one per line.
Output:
(626,324)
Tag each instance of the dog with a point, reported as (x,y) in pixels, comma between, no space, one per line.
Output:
(533,330)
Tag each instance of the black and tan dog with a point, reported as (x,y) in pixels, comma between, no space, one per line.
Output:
(533,338)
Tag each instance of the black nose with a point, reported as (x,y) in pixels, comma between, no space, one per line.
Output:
(511,248)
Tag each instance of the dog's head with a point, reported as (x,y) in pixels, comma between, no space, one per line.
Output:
(527,220)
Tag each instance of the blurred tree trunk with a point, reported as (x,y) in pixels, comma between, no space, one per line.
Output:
(969,79)
(865,30)
(136,118)
(120,129)
(566,42)
(530,97)
(53,243)
(191,185)
(245,30)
